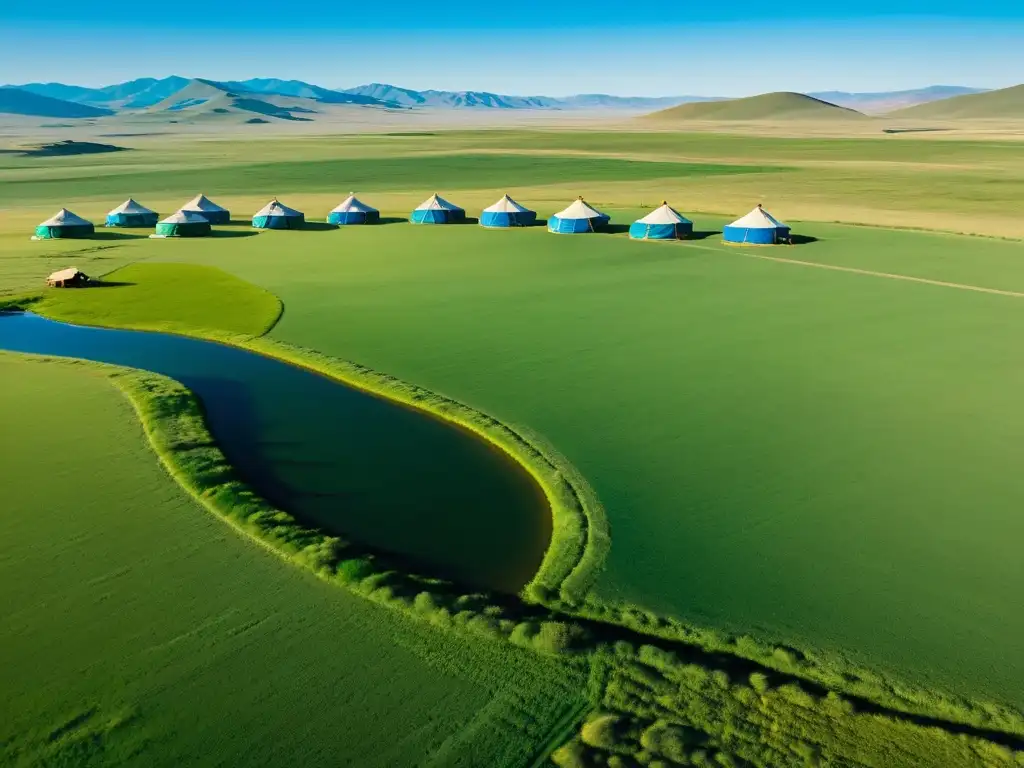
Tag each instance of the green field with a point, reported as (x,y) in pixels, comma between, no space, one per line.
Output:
(151,625)
(812,446)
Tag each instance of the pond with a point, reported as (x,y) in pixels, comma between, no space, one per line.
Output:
(353,464)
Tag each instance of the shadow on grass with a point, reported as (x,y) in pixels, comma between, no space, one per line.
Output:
(613,229)
(802,239)
(703,234)
(105,235)
(318,226)
(107,284)
(392,220)
(234,233)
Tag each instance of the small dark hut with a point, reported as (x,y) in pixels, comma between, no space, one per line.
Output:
(68,278)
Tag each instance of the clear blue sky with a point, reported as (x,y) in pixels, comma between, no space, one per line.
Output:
(530,47)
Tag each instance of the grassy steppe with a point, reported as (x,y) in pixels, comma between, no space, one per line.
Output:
(803,443)
(813,455)
(154,635)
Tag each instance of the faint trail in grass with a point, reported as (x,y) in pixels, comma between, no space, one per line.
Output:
(872,273)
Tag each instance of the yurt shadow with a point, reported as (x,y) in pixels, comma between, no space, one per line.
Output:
(318,226)
(233,233)
(802,239)
(703,234)
(612,229)
(104,235)
(392,220)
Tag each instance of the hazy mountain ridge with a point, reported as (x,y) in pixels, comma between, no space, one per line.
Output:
(17,101)
(1001,104)
(269,97)
(887,101)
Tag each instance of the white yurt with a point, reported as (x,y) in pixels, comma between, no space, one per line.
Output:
(183,224)
(663,223)
(208,209)
(275,215)
(578,217)
(131,214)
(64,223)
(436,210)
(756,228)
(507,213)
(351,210)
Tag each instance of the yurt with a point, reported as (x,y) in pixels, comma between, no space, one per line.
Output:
(183,224)
(353,211)
(507,213)
(663,223)
(131,214)
(436,210)
(756,228)
(208,209)
(578,217)
(275,215)
(64,224)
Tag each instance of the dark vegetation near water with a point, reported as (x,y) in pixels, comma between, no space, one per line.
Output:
(657,701)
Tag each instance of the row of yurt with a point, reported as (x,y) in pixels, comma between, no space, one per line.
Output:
(663,223)
(133,214)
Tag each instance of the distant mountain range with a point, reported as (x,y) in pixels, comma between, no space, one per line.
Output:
(147,92)
(270,99)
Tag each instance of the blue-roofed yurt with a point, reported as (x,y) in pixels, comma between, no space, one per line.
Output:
(756,228)
(132,214)
(208,209)
(663,223)
(578,218)
(507,213)
(275,215)
(64,224)
(353,211)
(436,210)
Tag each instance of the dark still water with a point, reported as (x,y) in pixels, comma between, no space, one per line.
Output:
(356,465)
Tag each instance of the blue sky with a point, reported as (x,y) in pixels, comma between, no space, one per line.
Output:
(659,48)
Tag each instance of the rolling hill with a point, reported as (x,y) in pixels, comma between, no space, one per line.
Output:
(300,89)
(15,101)
(207,98)
(886,101)
(1005,104)
(769,106)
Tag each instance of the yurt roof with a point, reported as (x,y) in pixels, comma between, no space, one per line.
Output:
(65,274)
(202,203)
(274,208)
(130,206)
(437,203)
(506,205)
(579,210)
(184,217)
(353,204)
(664,214)
(64,218)
(758,218)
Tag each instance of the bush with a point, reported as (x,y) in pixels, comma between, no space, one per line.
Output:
(603,732)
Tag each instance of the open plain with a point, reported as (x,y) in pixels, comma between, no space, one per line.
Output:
(805,455)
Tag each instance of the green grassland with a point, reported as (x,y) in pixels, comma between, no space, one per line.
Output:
(153,635)
(150,297)
(794,451)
